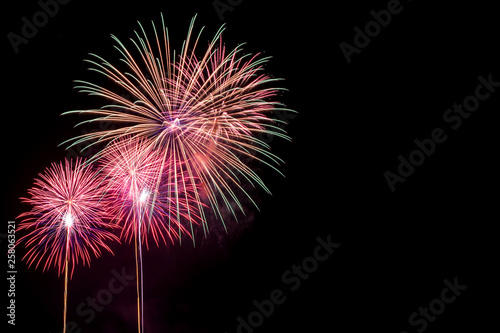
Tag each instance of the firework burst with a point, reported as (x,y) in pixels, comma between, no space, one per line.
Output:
(67,221)
(140,197)
(204,115)
(67,206)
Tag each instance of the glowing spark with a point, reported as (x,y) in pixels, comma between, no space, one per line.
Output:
(143,196)
(68,220)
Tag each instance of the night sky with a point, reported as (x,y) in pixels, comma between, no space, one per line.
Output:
(384,221)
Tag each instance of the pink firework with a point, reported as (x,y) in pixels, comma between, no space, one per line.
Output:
(140,198)
(144,203)
(186,125)
(67,208)
(67,221)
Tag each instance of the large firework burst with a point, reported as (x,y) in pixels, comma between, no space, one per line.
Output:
(203,112)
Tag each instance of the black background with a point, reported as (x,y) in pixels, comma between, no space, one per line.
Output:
(354,120)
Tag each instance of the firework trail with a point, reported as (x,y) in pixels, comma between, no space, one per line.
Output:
(67,222)
(203,114)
